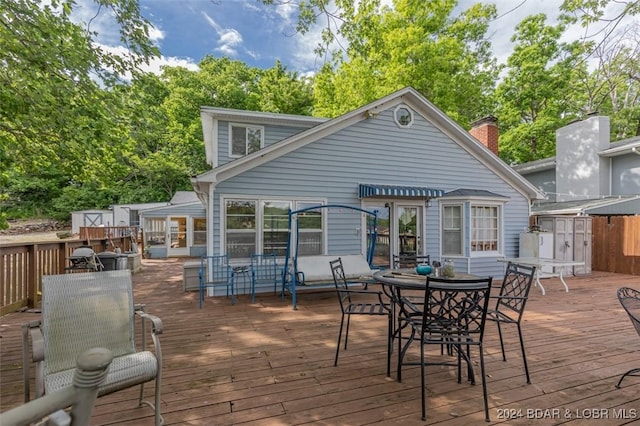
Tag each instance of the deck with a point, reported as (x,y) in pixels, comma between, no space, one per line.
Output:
(265,364)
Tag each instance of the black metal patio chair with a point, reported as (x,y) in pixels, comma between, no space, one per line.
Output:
(630,301)
(453,315)
(349,307)
(510,304)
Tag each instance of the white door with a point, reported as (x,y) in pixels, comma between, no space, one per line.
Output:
(408,228)
(178,236)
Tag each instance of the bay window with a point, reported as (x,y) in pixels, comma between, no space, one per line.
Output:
(481,219)
(484,228)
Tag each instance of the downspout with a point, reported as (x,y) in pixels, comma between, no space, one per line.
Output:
(210,227)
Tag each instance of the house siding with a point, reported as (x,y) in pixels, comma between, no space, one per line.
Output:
(194,210)
(625,172)
(272,134)
(377,151)
(544,180)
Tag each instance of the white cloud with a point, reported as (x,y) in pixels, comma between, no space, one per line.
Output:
(156,34)
(155,65)
(230,39)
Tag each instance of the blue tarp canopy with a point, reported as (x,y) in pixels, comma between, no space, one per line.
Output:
(366,190)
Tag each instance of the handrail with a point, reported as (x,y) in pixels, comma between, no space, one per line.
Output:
(22,265)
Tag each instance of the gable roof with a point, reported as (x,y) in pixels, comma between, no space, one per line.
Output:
(184,197)
(408,96)
(249,117)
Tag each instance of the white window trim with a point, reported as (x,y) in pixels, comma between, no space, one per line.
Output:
(500,206)
(466,203)
(230,138)
(453,203)
(193,231)
(259,216)
(411,113)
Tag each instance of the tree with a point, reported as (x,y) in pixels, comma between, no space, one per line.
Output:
(535,97)
(56,110)
(613,87)
(414,43)
(284,92)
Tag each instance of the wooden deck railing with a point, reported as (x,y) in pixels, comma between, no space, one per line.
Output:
(22,265)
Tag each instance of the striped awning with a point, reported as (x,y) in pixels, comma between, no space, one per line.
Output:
(369,191)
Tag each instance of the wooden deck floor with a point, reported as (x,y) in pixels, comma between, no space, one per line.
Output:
(265,364)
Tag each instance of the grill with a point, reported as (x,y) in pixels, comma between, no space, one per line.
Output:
(84,258)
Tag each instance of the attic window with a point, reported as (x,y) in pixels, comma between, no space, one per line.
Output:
(403,116)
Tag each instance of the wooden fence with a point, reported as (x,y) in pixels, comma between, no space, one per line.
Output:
(616,244)
(22,265)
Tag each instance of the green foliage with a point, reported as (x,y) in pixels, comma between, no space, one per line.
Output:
(90,195)
(282,92)
(535,95)
(59,120)
(75,133)
(416,43)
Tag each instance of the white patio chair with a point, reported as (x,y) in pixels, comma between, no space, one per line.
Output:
(87,310)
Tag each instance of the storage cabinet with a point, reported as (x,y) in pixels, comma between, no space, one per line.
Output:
(571,240)
(537,245)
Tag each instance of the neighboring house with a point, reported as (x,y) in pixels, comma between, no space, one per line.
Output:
(589,176)
(436,188)
(175,229)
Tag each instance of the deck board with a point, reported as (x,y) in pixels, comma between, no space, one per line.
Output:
(266,364)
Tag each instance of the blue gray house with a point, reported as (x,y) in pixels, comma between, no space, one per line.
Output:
(436,189)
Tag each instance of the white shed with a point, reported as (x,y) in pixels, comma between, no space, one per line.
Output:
(90,218)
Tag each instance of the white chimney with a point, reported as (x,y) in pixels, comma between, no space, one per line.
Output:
(580,172)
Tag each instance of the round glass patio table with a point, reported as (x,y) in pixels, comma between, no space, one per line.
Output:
(408,279)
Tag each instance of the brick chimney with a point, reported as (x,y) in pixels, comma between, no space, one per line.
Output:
(486,131)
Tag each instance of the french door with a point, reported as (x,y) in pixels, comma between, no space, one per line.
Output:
(400,230)
(178,236)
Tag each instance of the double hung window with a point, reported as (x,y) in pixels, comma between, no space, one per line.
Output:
(245,139)
(484,228)
(452,230)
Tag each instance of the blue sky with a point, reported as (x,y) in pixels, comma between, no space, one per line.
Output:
(187,30)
